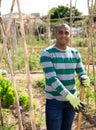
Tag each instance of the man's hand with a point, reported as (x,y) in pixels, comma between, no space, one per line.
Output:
(85,81)
(75,102)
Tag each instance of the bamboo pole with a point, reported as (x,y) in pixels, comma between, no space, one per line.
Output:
(7,30)
(71,20)
(5,41)
(15,89)
(48,25)
(32,116)
(0,8)
(1,117)
(88,37)
(14,41)
(13,34)
(13,81)
(49,32)
(91,28)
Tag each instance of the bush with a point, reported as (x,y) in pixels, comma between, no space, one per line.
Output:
(34,62)
(6,93)
(40,83)
(24,100)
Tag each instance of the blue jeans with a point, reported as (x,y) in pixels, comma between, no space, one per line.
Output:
(59,115)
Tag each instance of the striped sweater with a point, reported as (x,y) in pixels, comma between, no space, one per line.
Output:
(59,67)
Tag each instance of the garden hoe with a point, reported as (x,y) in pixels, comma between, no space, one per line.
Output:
(80,113)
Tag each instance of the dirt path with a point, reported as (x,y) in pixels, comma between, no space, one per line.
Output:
(22,77)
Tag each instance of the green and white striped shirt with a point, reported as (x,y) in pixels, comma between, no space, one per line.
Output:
(59,67)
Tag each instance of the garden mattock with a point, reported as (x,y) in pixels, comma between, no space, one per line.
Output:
(80,113)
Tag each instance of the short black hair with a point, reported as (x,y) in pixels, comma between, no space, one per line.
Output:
(60,25)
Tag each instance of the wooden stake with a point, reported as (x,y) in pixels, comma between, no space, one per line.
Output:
(1,117)
(91,29)
(32,116)
(6,32)
(71,20)
(5,41)
(15,89)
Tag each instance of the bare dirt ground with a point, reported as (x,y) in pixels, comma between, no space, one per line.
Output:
(40,101)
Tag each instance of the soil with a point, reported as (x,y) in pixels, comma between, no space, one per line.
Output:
(39,98)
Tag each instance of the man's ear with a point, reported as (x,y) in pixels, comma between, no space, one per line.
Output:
(70,35)
(54,35)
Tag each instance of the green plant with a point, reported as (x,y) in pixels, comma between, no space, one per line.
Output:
(40,83)
(6,93)
(24,100)
(18,60)
(41,120)
(79,41)
(6,113)
(6,127)
(34,62)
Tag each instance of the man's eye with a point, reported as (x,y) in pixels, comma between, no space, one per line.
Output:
(66,33)
(60,32)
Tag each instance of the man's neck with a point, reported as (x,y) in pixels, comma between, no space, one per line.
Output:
(61,47)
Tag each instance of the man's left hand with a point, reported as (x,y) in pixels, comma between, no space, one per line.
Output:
(85,81)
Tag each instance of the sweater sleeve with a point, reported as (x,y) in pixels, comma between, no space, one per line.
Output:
(50,74)
(80,68)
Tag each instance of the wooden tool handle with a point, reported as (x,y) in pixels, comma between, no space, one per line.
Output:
(80,114)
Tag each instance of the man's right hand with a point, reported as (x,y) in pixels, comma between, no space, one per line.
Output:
(75,102)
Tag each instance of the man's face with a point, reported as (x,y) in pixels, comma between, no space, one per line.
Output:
(63,35)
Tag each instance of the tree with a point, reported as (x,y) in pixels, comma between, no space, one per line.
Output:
(64,12)
(94,12)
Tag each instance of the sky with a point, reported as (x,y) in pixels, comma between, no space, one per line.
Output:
(42,6)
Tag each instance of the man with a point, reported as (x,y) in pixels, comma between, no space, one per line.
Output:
(60,62)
